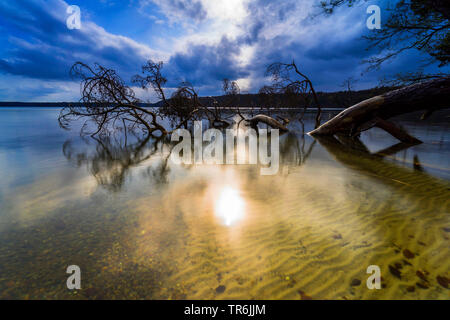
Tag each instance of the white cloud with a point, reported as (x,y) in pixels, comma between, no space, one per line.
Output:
(217,19)
(12,87)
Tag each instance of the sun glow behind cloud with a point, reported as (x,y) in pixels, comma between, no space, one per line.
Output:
(221,19)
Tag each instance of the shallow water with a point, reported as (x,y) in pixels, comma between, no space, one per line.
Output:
(140,226)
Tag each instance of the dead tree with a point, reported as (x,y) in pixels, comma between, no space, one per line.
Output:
(375,112)
(107,104)
(293,86)
(347,96)
(268,97)
(184,103)
(262,118)
(231,89)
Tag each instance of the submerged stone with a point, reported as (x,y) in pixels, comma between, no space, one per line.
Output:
(443,281)
(355,282)
(220,289)
(395,272)
(422,285)
(303,295)
(421,275)
(408,254)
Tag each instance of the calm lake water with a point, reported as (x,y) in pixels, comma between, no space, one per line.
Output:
(141,227)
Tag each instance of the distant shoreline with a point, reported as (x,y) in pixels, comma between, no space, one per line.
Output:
(330,100)
(309,109)
(146,105)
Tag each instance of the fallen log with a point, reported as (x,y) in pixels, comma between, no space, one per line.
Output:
(429,96)
(267,120)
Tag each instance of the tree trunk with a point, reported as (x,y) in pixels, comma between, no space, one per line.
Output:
(431,95)
(267,120)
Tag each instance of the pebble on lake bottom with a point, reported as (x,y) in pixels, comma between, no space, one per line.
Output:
(408,254)
(220,289)
(443,281)
(304,296)
(355,282)
(411,289)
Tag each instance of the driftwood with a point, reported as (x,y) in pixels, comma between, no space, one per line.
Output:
(374,112)
(267,120)
(285,121)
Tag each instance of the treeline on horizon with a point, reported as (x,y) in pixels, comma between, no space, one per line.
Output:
(338,99)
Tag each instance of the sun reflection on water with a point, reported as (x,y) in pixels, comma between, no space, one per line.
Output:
(229,206)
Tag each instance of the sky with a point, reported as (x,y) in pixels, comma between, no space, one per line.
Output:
(199,41)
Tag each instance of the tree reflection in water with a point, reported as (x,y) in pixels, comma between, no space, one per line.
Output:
(110,158)
(113,157)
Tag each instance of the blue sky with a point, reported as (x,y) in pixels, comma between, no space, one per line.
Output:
(200,41)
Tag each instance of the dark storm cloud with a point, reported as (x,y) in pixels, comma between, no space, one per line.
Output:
(39,44)
(327,64)
(330,50)
(203,64)
(264,13)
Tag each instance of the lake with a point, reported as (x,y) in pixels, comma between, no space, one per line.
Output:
(142,227)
